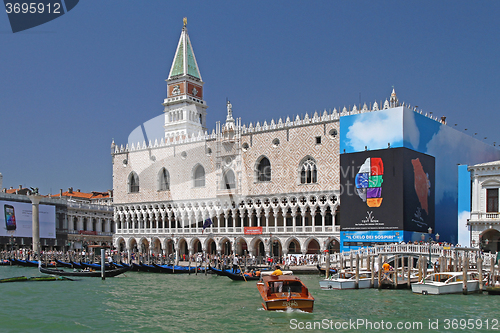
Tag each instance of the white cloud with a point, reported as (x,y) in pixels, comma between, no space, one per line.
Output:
(463,229)
(411,131)
(375,130)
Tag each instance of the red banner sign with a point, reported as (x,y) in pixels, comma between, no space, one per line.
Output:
(87,232)
(253,230)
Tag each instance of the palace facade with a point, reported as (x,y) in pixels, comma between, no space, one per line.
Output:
(484,222)
(268,188)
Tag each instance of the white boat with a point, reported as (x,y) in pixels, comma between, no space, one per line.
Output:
(446,283)
(347,280)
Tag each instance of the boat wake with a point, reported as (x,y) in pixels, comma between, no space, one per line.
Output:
(290,310)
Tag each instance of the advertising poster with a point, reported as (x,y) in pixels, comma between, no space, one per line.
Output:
(388,189)
(16,220)
(372,190)
(419,191)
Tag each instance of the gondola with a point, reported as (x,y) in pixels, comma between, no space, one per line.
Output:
(137,268)
(239,277)
(224,272)
(30,263)
(149,268)
(76,265)
(122,264)
(117,265)
(63,264)
(177,269)
(5,263)
(233,276)
(96,266)
(60,272)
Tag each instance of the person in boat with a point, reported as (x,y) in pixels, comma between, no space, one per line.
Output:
(277,271)
(235,263)
(250,273)
(278,285)
(386,267)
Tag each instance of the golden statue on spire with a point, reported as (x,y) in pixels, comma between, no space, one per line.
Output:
(185,20)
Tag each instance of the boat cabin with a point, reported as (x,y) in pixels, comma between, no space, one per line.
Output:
(451,277)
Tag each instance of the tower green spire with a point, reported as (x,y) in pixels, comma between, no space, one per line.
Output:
(184,60)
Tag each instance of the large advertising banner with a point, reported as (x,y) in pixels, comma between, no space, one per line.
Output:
(17,217)
(418,191)
(372,190)
(402,127)
(388,189)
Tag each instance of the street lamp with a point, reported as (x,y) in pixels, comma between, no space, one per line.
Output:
(430,240)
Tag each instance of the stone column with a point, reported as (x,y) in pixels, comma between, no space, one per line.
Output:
(35,201)
(303,219)
(323,220)
(275,214)
(266,214)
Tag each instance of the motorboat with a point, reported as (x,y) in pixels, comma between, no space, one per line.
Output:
(347,280)
(282,292)
(446,283)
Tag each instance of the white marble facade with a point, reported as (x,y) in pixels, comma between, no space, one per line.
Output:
(484,221)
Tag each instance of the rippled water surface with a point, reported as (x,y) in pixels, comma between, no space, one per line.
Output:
(147,302)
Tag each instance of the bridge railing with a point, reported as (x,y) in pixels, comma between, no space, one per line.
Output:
(436,251)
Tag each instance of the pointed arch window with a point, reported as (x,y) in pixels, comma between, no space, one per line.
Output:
(263,170)
(163,180)
(133,183)
(308,171)
(199,176)
(229,180)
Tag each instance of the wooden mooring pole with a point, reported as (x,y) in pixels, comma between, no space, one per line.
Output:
(327,271)
(410,268)
(379,271)
(480,272)
(396,264)
(103,265)
(372,277)
(466,266)
(356,285)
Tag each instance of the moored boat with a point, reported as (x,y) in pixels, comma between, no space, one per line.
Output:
(5,262)
(76,265)
(177,269)
(280,292)
(493,290)
(30,263)
(323,270)
(63,264)
(235,276)
(96,266)
(347,280)
(60,272)
(446,283)
(34,278)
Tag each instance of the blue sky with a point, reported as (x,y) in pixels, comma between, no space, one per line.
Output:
(70,86)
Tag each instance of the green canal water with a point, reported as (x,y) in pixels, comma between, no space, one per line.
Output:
(146,302)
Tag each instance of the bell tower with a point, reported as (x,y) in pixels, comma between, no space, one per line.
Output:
(185,109)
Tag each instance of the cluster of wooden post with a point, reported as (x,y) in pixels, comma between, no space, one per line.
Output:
(405,266)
